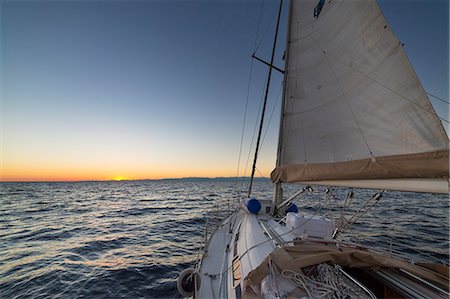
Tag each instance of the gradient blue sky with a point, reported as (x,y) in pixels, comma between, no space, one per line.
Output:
(151,89)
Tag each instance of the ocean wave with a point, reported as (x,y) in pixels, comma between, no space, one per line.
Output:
(95,240)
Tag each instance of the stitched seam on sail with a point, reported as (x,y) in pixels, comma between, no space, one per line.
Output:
(387,88)
(346,100)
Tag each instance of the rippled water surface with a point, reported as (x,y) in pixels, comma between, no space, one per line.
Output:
(130,239)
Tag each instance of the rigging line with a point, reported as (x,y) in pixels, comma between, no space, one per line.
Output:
(271,114)
(254,133)
(437,97)
(244,121)
(391,90)
(259,172)
(254,130)
(360,212)
(248,95)
(268,124)
(259,26)
(269,25)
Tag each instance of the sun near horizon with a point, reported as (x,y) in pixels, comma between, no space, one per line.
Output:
(120,178)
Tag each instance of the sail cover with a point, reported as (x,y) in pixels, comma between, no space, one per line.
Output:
(353,107)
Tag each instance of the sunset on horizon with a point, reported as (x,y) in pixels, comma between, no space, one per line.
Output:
(95,90)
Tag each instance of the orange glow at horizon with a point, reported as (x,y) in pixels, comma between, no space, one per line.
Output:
(36,173)
(106,162)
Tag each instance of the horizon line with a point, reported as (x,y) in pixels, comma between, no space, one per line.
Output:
(123,180)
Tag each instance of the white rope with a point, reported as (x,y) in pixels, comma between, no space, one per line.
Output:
(322,281)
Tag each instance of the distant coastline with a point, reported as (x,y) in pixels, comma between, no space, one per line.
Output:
(210,179)
(185,179)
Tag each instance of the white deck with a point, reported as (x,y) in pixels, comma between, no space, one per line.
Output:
(258,235)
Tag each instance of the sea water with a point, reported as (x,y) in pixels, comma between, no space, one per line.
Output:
(130,239)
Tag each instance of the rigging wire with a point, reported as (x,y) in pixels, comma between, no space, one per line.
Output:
(267,127)
(436,97)
(244,121)
(254,134)
(259,172)
(269,25)
(265,132)
(255,45)
(271,114)
(248,94)
(359,213)
(264,136)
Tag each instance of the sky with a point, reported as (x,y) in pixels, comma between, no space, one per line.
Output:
(100,90)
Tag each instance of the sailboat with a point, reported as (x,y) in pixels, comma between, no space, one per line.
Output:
(354,114)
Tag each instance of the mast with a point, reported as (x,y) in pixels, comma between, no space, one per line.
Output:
(277,193)
(265,99)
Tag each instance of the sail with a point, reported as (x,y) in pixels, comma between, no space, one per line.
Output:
(353,107)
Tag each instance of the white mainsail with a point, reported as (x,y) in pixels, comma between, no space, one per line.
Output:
(354,111)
